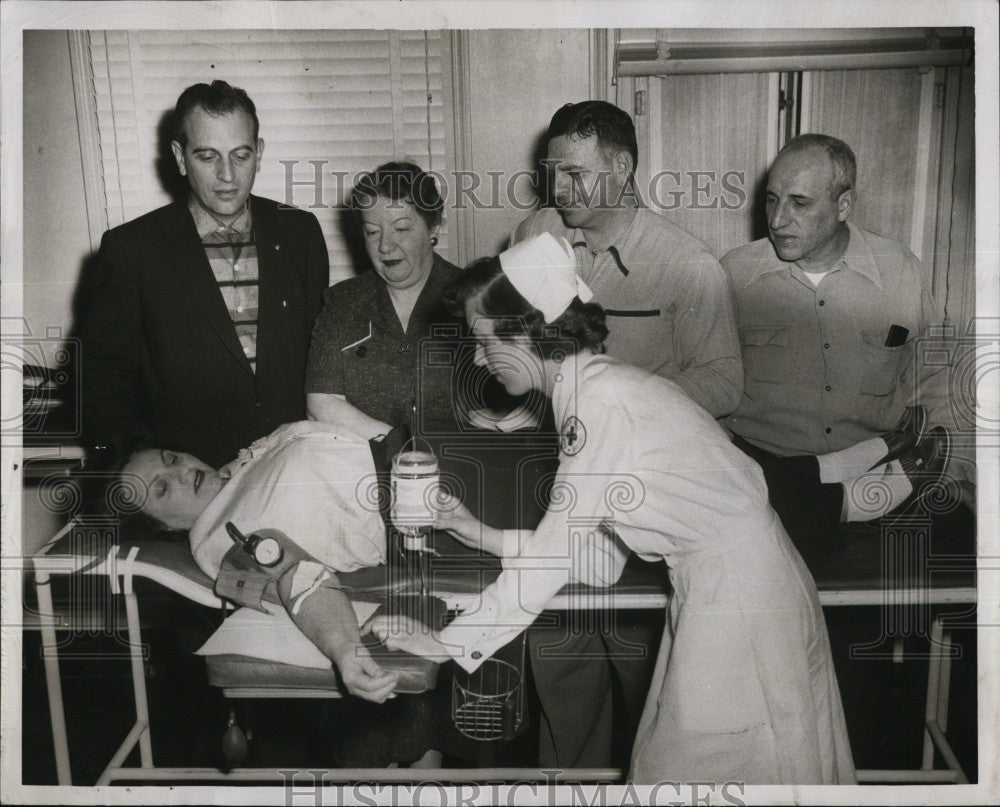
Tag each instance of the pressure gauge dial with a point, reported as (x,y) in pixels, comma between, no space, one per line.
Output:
(263,548)
(266,551)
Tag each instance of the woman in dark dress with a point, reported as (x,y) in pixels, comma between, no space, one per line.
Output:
(364,362)
(364,374)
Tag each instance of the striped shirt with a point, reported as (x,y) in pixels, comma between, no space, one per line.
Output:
(232,254)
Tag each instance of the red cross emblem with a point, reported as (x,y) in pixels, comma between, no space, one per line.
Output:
(572,436)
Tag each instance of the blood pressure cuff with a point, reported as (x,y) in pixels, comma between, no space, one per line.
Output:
(245,582)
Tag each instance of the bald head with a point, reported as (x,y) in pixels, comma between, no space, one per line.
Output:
(843,165)
(810,196)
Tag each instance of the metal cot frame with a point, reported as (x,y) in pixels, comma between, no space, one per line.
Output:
(121,571)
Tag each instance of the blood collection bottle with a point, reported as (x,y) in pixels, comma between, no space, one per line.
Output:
(414,482)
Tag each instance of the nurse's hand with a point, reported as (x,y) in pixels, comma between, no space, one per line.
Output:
(455,518)
(403,633)
(362,676)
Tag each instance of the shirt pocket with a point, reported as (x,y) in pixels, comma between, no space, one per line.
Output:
(643,337)
(877,372)
(765,353)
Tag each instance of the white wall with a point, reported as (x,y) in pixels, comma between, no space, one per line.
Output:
(517,80)
(56,235)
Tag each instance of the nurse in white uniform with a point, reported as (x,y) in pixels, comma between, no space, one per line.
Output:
(744,687)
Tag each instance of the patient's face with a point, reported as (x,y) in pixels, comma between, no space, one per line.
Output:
(179,486)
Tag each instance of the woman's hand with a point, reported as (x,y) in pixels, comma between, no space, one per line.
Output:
(362,676)
(410,636)
(455,518)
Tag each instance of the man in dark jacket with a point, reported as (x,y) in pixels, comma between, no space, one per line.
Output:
(196,333)
(198,329)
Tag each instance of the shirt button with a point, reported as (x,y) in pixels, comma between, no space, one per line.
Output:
(239,309)
(829,388)
(246,350)
(822,302)
(236,268)
(477,654)
(826,345)
(258,404)
(362,351)
(828,430)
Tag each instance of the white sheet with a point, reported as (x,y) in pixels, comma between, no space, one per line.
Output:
(272,637)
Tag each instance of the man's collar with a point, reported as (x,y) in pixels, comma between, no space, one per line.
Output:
(860,258)
(599,242)
(206,222)
(614,246)
(857,258)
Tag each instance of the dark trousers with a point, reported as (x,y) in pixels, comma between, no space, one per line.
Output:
(584,721)
(835,551)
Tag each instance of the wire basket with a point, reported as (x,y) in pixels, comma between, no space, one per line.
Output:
(488,704)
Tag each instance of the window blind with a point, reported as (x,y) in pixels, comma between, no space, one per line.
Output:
(346,101)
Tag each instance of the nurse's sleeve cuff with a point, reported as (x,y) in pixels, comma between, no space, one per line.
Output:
(508,606)
(472,639)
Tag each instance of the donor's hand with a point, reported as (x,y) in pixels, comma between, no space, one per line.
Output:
(402,633)
(362,676)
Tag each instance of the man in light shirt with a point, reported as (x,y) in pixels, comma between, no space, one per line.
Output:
(664,294)
(669,312)
(845,423)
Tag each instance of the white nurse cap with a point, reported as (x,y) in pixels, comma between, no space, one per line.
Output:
(543,270)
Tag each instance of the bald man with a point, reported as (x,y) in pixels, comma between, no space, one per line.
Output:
(829,315)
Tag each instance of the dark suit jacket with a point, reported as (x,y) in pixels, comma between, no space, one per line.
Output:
(161,359)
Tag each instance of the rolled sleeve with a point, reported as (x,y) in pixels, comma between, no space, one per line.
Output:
(510,542)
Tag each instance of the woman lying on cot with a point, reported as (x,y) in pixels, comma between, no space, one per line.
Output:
(309,481)
(744,687)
